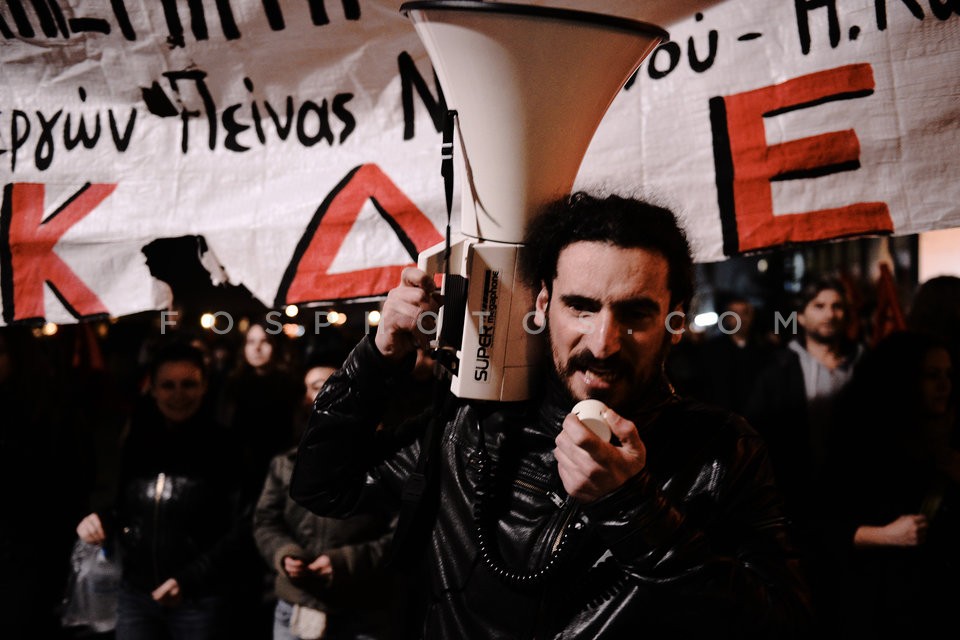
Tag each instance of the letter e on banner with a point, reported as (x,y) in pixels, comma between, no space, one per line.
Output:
(746,165)
(27,257)
(307,278)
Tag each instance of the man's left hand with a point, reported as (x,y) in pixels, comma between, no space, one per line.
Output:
(591,468)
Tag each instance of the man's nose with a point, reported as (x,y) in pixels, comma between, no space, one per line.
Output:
(604,339)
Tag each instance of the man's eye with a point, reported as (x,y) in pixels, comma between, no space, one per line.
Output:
(639,323)
(637,316)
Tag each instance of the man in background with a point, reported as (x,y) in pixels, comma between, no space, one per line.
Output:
(793,406)
(793,401)
(733,359)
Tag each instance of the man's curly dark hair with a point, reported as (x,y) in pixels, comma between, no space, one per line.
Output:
(624,222)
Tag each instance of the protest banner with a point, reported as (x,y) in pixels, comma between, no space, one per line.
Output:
(300,139)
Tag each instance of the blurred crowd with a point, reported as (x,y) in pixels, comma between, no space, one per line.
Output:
(178,459)
(860,423)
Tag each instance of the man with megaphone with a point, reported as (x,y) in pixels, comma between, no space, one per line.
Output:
(538,527)
(563,491)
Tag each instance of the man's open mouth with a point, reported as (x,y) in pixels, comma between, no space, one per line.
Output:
(599,377)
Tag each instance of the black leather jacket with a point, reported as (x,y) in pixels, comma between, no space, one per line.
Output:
(179,511)
(694,543)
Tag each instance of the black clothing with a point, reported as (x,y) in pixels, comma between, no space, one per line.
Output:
(693,543)
(897,589)
(259,411)
(777,408)
(730,371)
(38,462)
(800,433)
(884,466)
(180,513)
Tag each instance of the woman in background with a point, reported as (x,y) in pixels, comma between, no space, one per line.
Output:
(179,518)
(259,402)
(330,580)
(898,480)
(258,406)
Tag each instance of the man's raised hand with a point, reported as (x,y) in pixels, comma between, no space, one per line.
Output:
(403,328)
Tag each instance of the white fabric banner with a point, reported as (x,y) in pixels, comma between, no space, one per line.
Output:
(299,138)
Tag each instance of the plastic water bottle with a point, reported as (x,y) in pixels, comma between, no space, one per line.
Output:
(103,587)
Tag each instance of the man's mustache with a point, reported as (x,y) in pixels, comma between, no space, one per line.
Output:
(584,360)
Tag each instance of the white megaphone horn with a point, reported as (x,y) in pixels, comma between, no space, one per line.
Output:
(529,85)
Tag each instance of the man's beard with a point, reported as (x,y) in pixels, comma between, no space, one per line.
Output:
(831,338)
(639,387)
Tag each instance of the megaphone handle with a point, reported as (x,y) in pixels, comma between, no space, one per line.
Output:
(454,287)
(446,170)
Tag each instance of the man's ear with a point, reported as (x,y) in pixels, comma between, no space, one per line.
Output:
(676,323)
(543,300)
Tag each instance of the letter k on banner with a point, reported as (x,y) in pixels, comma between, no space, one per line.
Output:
(746,165)
(27,257)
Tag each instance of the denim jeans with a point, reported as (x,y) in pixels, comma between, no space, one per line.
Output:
(139,617)
(281,621)
(336,630)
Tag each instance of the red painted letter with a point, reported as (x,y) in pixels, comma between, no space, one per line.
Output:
(27,244)
(746,165)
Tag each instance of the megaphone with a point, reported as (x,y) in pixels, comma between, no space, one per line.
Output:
(529,86)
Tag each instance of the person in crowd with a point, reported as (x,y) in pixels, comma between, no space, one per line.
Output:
(792,407)
(792,403)
(258,406)
(935,309)
(260,400)
(320,365)
(331,579)
(540,528)
(733,359)
(316,376)
(893,492)
(179,519)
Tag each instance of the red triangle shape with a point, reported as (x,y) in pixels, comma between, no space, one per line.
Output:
(307,279)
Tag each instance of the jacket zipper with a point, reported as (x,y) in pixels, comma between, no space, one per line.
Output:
(559,502)
(563,529)
(555,499)
(157,497)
